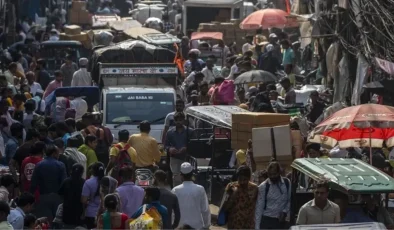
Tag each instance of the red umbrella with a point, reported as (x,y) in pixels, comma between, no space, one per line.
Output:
(268,18)
(367,125)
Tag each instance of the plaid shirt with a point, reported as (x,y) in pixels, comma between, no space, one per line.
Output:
(168,26)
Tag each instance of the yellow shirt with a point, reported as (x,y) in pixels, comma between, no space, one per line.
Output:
(147,149)
(114,151)
(241,157)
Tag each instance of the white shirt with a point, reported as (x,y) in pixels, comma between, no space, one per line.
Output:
(80,106)
(81,78)
(193,204)
(2,145)
(34,87)
(233,70)
(246,47)
(210,75)
(9,76)
(177,18)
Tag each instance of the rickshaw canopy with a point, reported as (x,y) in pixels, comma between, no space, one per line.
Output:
(349,176)
(220,115)
(206,36)
(91,93)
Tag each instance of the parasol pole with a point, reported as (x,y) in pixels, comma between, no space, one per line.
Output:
(370,143)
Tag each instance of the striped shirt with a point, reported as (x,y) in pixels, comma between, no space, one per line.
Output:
(278,200)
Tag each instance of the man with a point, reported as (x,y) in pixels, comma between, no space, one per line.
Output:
(62,131)
(72,152)
(11,72)
(4,212)
(68,69)
(268,61)
(151,199)
(193,201)
(273,203)
(168,199)
(48,176)
(80,106)
(42,75)
(13,142)
(193,99)
(167,24)
(131,196)
(71,125)
(114,157)
(313,150)
(290,95)
(34,86)
(17,215)
(249,43)
(375,211)
(320,210)
(29,163)
(210,72)
(315,108)
(222,48)
(203,97)
(194,63)
(67,161)
(82,77)
(276,51)
(169,121)
(176,142)
(241,200)
(57,83)
(288,57)
(148,153)
(24,151)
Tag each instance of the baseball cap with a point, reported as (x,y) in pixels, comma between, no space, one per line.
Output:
(194,93)
(186,168)
(272,35)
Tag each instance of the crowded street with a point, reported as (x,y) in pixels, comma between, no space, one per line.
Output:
(196,114)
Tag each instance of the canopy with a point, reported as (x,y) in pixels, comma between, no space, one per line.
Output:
(350,176)
(91,93)
(220,115)
(207,36)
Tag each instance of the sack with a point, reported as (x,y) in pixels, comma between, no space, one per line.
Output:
(149,219)
(123,160)
(267,188)
(225,93)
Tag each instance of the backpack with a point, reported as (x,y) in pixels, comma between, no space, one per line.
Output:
(267,188)
(122,160)
(225,93)
(149,219)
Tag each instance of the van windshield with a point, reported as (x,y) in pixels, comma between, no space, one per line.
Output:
(132,108)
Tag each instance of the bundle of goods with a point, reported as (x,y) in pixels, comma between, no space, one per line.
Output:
(74,33)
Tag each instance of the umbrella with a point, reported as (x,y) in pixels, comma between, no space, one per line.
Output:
(268,18)
(367,125)
(255,76)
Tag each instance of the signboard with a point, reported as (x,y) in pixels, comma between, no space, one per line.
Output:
(139,71)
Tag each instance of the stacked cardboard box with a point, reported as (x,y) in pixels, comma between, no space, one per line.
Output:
(243,123)
(231,31)
(74,33)
(79,15)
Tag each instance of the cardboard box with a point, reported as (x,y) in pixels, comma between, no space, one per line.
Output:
(260,118)
(78,37)
(78,5)
(72,29)
(85,17)
(74,17)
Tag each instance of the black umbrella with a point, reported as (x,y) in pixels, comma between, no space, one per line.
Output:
(255,76)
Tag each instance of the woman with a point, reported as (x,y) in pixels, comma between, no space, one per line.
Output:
(91,194)
(108,185)
(71,191)
(111,218)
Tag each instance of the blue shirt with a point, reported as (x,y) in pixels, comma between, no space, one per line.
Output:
(65,139)
(16,218)
(178,140)
(160,208)
(48,175)
(10,150)
(356,215)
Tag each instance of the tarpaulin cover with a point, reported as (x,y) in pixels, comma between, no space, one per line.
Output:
(129,51)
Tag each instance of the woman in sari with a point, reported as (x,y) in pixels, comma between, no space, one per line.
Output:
(111,218)
(108,185)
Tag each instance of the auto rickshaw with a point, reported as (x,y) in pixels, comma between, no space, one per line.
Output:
(212,38)
(211,146)
(351,177)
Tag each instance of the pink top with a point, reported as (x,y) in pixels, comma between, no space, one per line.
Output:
(51,87)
